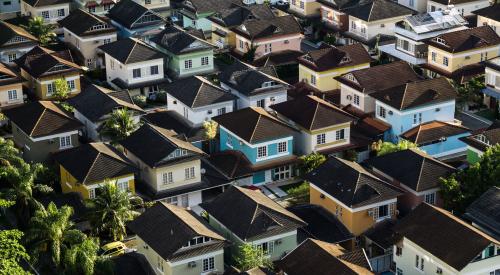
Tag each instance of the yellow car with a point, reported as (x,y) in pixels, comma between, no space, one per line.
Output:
(112,249)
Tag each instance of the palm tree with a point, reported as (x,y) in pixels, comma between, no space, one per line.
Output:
(44,32)
(119,125)
(110,211)
(9,154)
(81,258)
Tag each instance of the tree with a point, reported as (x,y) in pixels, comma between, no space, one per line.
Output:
(61,89)
(9,154)
(209,133)
(250,257)
(330,39)
(111,210)
(469,92)
(119,125)
(249,56)
(81,258)
(12,253)
(383,148)
(462,188)
(44,32)
(299,194)
(307,163)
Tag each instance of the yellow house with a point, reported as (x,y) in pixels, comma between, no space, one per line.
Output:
(305,8)
(41,67)
(458,54)
(85,168)
(11,87)
(320,67)
(358,198)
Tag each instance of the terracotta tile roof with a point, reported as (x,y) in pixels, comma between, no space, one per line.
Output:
(433,131)
(464,40)
(335,57)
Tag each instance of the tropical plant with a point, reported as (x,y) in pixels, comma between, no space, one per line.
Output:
(250,257)
(12,253)
(307,163)
(140,101)
(249,56)
(111,209)
(44,32)
(330,39)
(299,194)
(81,258)
(469,92)
(384,147)
(9,154)
(210,129)
(61,89)
(119,125)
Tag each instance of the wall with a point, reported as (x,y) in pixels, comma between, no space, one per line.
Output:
(278,43)
(310,7)
(270,98)
(197,115)
(88,45)
(176,63)
(466,8)
(418,5)
(473,155)
(374,28)
(481,21)
(52,9)
(4,95)
(201,23)
(336,19)
(40,85)
(307,141)
(451,145)
(366,102)
(325,80)
(9,10)
(18,50)
(228,41)
(461,59)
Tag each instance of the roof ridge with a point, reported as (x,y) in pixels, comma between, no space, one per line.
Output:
(314,115)
(256,125)
(91,166)
(131,50)
(39,118)
(197,93)
(371,9)
(403,98)
(420,173)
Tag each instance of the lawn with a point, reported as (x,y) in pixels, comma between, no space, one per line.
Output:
(287,187)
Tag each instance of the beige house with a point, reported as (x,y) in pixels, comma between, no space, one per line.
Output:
(11,87)
(51,11)
(489,16)
(161,7)
(14,42)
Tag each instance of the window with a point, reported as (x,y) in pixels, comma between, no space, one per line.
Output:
(50,89)
(266,248)
(262,152)
(445,60)
(381,112)
(64,142)
(268,48)
(12,95)
(433,55)
(353,25)
(439,270)
(60,12)
(71,85)
(484,56)
(122,186)
(92,9)
(399,271)
(399,251)
(168,178)
(92,193)
(208,264)
(417,118)
(430,198)
(221,111)
(282,147)
(106,40)
(229,141)
(154,70)
(159,263)
(383,211)
(419,262)
(136,73)
(188,64)
(7,3)
(45,14)
(189,173)
(185,200)
(90,63)
(320,139)
(241,44)
(282,172)
(12,57)
(339,134)
(313,79)
(412,3)
(261,103)
(204,61)
(172,200)
(356,100)
(147,2)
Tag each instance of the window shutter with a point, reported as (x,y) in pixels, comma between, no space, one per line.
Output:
(375,213)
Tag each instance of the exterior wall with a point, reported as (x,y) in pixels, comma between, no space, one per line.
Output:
(465,9)
(16,51)
(9,9)
(270,98)
(98,9)
(198,115)
(305,7)
(307,141)
(451,145)
(473,155)
(417,5)
(228,41)
(90,128)
(40,85)
(176,63)
(325,81)
(372,29)
(481,21)
(87,46)
(4,95)
(200,23)
(30,11)
(461,59)
(277,44)
(115,69)
(366,102)
(336,19)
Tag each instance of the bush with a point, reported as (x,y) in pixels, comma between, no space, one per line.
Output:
(161,96)
(140,100)
(299,194)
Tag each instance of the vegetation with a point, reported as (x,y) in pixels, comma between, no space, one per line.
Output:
(299,194)
(210,129)
(250,257)
(9,154)
(81,258)
(249,56)
(307,163)
(44,32)
(12,252)
(61,89)
(462,188)
(384,147)
(469,92)
(330,39)
(140,101)
(119,125)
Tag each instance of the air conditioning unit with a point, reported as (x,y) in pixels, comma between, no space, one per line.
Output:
(390,113)
(192,264)
(370,213)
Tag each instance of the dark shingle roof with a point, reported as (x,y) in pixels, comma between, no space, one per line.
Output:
(178,41)
(43,3)
(9,31)
(335,57)
(415,169)
(315,257)
(42,118)
(281,25)
(237,15)
(491,12)
(167,228)
(252,215)
(172,120)
(485,211)
(130,50)
(80,23)
(443,235)
(378,10)
(350,183)
(464,40)
(433,131)
(314,114)
(339,4)
(94,102)
(94,162)
(259,125)
(208,6)
(417,93)
(233,164)
(127,12)
(491,134)
(197,92)
(453,2)
(39,61)
(8,76)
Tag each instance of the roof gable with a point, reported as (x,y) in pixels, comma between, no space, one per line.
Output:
(378,10)
(433,131)
(131,50)
(464,40)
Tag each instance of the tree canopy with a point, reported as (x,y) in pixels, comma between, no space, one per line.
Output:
(307,163)
(119,125)
(384,147)
(44,32)
(12,252)
(61,89)
(249,257)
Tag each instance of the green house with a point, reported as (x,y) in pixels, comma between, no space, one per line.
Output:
(478,143)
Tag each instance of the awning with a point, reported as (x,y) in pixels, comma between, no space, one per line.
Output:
(491,92)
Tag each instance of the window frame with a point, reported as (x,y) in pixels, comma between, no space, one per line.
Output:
(320,138)
(136,73)
(261,152)
(154,70)
(282,149)
(65,142)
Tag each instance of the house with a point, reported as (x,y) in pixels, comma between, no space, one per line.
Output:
(408,105)
(161,7)
(319,68)
(420,6)
(417,174)
(413,32)
(84,169)
(51,11)
(315,257)
(14,42)
(41,128)
(41,67)
(133,65)
(378,242)
(373,22)
(323,127)
(134,20)
(356,87)
(489,16)
(428,234)
(225,20)
(96,104)
(268,35)
(354,195)
(254,87)
(491,93)
(253,219)
(266,142)
(439,139)
(95,7)
(304,8)
(484,212)
(457,54)
(11,87)
(191,247)
(478,143)
(197,99)
(170,168)
(9,9)
(185,54)
(85,32)
(332,14)
(465,7)
(195,13)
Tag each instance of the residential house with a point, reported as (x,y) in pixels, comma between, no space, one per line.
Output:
(484,212)
(319,68)
(198,100)
(88,167)
(96,104)
(253,219)
(161,7)
(428,234)
(191,247)
(465,7)
(323,127)
(85,32)
(185,54)
(409,105)
(457,55)
(489,16)
(134,20)
(51,11)
(41,128)
(315,257)
(479,142)
(14,42)
(333,15)
(9,9)
(195,13)
(357,197)
(41,67)
(255,87)
(417,173)
(268,35)
(133,65)
(304,8)
(95,7)
(439,139)
(491,93)
(266,142)
(357,86)
(378,242)
(11,87)
(413,32)
(420,6)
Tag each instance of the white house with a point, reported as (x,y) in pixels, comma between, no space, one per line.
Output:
(464,7)
(50,11)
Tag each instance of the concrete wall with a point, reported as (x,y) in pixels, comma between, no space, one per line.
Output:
(465,9)
(16,51)
(115,69)
(39,86)
(306,142)
(368,30)
(325,80)
(270,98)
(30,11)
(461,59)
(366,102)
(269,44)
(88,45)
(197,115)
(305,7)
(4,95)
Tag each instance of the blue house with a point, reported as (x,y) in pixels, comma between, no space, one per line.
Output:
(265,142)
(409,105)
(134,20)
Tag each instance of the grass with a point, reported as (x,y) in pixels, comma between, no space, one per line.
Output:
(287,187)
(487,113)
